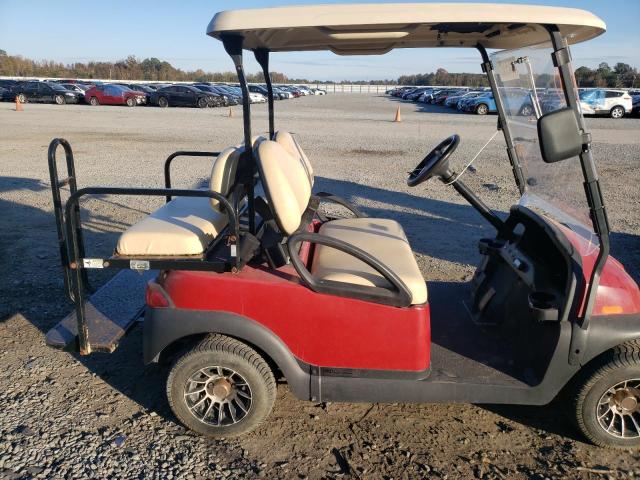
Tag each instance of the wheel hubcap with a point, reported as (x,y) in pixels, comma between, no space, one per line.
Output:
(619,410)
(218,396)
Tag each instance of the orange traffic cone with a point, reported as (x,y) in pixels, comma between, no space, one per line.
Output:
(398,116)
(230,112)
(18,105)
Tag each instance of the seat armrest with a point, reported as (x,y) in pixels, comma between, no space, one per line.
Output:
(400,296)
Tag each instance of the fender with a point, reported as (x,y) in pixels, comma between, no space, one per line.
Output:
(607,331)
(163,326)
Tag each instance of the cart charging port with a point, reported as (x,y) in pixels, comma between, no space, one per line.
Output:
(157,297)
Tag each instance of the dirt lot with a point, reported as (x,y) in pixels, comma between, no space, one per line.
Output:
(106,416)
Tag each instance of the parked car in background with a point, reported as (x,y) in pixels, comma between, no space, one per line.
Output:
(181,96)
(259,89)
(318,91)
(441,97)
(429,95)
(142,89)
(78,88)
(481,105)
(635,104)
(110,94)
(215,99)
(284,94)
(452,100)
(600,101)
(6,94)
(44,92)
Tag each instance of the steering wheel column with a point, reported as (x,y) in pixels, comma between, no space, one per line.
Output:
(436,164)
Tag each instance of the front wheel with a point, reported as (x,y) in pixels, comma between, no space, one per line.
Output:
(202,103)
(221,388)
(607,399)
(94,102)
(163,102)
(482,109)
(59,99)
(526,111)
(616,112)
(131,102)
(22,98)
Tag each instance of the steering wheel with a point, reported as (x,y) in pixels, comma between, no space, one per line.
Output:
(435,163)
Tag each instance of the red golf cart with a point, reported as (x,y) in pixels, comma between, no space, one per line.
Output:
(250,281)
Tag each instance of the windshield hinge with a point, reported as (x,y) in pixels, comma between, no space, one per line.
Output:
(486,66)
(561,57)
(586,141)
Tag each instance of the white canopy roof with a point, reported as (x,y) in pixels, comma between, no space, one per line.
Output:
(377,28)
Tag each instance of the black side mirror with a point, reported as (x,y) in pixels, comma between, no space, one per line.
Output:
(560,136)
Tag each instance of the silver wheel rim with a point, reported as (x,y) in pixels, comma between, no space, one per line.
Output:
(482,109)
(59,99)
(618,410)
(616,113)
(218,396)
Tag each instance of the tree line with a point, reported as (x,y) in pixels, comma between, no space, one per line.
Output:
(621,75)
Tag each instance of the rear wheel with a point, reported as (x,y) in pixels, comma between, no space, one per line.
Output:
(163,102)
(94,101)
(617,112)
(482,109)
(22,98)
(131,102)
(221,388)
(607,398)
(59,99)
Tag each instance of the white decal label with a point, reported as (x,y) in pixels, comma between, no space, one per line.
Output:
(92,263)
(139,265)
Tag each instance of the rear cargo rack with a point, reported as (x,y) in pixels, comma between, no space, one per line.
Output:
(98,322)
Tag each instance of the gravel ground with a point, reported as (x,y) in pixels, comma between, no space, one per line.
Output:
(106,416)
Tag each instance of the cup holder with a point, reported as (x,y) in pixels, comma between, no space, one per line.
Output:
(543,306)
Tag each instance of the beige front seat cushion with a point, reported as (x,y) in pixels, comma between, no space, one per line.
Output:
(291,145)
(383,239)
(286,184)
(184,226)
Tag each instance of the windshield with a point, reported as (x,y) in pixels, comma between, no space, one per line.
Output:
(530,86)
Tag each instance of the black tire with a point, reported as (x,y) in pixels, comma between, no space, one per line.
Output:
(163,102)
(253,390)
(616,112)
(482,109)
(202,103)
(131,102)
(59,99)
(22,98)
(598,394)
(94,101)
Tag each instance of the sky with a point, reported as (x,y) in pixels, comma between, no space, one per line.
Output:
(80,31)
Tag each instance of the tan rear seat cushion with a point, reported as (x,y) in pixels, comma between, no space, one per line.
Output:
(383,239)
(184,226)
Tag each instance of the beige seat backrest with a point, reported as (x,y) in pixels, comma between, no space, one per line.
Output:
(223,173)
(291,145)
(285,182)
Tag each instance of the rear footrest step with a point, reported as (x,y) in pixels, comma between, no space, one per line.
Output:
(109,313)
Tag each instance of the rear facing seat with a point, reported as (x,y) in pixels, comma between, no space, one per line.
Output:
(185,225)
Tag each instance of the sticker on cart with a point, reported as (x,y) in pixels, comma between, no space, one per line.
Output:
(139,265)
(92,263)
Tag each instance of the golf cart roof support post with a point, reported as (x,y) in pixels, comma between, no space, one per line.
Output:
(562,59)
(487,67)
(233,46)
(262,57)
